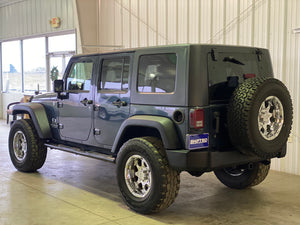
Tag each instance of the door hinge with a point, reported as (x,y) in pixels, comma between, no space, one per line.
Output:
(96,107)
(59,104)
(97,131)
(56,125)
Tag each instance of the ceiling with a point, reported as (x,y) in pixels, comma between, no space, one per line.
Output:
(9,2)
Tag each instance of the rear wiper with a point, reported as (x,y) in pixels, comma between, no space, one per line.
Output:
(232,60)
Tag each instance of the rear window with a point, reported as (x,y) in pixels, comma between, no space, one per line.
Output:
(227,70)
(157,73)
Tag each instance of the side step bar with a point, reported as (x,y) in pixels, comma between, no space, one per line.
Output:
(78,151)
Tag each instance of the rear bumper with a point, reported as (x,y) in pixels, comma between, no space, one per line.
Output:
(205,161)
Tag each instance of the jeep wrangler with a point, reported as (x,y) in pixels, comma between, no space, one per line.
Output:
(158,111)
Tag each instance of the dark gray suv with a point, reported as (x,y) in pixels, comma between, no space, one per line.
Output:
(159,111)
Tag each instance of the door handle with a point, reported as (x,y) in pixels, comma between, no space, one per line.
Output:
(86,102)
(119,103)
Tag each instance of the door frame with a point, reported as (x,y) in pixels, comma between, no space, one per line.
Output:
(50,55)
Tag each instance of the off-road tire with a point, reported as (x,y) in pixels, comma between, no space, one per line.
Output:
(242,117)
(36,153)
(243,178)
(165,181)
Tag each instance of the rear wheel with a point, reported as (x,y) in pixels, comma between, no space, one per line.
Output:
(146,181)
(243,176)
(27,152)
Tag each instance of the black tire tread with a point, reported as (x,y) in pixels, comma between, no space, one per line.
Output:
(170,177)
(250,177)
(261,174)
(37,152)
(238,115)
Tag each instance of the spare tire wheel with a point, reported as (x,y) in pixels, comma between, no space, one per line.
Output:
(260,116)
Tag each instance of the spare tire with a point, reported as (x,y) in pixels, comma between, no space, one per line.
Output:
(260,116)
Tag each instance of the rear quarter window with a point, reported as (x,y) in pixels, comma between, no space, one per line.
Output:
(157,73)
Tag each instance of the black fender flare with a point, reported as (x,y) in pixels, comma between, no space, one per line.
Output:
(38,116)
(163,125)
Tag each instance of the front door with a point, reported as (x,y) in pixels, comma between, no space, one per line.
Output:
(111,98)
(76,111)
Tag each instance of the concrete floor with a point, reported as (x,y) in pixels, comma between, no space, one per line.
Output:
(71,189)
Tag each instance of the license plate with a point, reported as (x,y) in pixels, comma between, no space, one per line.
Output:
(198,141)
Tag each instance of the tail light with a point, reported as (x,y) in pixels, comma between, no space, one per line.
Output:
(196,118)
(249,75)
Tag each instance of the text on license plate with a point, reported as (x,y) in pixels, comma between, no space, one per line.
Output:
(198,141)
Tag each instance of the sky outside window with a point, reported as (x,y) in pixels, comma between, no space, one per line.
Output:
(34,52)
(11,66)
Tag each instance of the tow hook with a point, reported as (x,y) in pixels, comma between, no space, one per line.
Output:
(250,166)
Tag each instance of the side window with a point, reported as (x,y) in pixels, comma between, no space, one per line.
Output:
(79,78)
(157,73)
(114,74)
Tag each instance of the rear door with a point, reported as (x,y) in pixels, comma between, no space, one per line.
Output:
(226,70)
(112,97)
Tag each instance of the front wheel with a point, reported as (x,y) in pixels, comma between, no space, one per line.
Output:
(27,152)
(243,177)
(146,181)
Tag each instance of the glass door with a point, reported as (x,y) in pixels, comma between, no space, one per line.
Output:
(60,50)
(57,65)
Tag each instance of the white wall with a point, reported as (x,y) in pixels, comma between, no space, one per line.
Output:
(261,23)
(32,17)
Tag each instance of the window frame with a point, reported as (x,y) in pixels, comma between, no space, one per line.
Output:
(138,71)
(69,70)
(112,57)
(21,39)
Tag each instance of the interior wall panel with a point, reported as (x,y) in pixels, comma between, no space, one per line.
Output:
(231,21)
(182,17)
(205,21)
(261,24)
(193,24)
(161,22)
(172,19)
(32,17)
(217,21)
(152,22)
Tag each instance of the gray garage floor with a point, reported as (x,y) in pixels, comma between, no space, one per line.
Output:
(71,189)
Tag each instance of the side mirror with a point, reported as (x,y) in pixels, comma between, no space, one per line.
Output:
(58,86)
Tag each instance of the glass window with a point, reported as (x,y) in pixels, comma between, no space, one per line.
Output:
(11,66)
(114,74)
(79,78)
(34,64)
(157,73)
(62,43)
(226,73)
